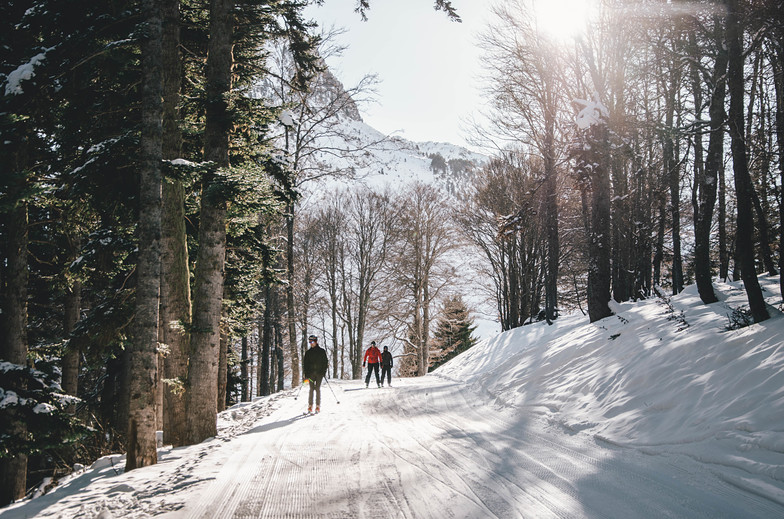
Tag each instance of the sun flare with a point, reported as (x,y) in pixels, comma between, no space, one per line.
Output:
(562,19)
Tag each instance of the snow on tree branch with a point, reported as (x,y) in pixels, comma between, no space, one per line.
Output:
(593,112)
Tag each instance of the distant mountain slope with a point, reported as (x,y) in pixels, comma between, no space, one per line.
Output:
(331,144)
(375,159)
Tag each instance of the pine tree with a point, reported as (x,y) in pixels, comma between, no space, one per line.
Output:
(454,332)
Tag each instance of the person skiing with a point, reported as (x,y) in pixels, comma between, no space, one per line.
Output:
(314,368)
(386,367)
(372,359)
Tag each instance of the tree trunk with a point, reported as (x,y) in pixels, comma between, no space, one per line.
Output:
(175,275)
(334,316)
(143,359)
(551,221)
(244,369)
(13,335)
(658,255)
(267,340)
(202,398)
(599,247)
(743,186)
(291,314)
(73,300)
(724,255)
(175,311)
(426,324)
(708,183)
(223,371)
(778,70)
(672,174)
(764,232)
(279,354)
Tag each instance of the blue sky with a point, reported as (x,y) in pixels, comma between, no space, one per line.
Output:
(428,66)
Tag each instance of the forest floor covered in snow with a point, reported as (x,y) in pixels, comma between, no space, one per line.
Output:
(657,411)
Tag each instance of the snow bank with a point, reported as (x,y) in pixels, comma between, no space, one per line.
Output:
(664,375)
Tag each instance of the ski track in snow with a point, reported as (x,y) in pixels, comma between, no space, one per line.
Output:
(430,448)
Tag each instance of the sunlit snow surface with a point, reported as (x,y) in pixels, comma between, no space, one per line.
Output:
(657,411)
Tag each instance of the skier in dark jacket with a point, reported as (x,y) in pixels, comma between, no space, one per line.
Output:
(386,367)
(314,367)
(373,359)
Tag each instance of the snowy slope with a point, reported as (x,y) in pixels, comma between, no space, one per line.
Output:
(379,160)
(663,376)
(658,411)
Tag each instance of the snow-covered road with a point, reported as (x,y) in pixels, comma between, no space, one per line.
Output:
(431,448)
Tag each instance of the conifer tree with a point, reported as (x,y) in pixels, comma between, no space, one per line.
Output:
(141,441)
(454,332)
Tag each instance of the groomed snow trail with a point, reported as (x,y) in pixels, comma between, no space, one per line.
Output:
(430,448)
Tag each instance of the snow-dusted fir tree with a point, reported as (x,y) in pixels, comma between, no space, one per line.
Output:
(454,332)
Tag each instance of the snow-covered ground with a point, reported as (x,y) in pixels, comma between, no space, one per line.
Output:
(658,411)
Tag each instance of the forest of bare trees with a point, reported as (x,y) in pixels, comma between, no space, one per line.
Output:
(618,127)
(162,254)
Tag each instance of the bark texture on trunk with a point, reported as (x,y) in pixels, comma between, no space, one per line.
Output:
(175,275)
(743,186)
(143,358)
(73,298)
(551,217)
(13,335)
(202,395)
(223,373)
(291,314)
(778,68)
(708,184)
(599,246)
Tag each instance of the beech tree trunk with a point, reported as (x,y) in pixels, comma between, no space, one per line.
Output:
(724,254)
(778,70)
(551,221)
(202,396)
(707,185)
(600,237)
(143,358)
(672,174)
(743,186)
(764,231)
(291,314)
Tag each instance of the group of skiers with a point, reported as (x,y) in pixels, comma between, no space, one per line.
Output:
(315,364)
(374,358)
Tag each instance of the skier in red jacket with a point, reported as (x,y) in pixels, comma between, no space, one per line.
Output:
(373,360)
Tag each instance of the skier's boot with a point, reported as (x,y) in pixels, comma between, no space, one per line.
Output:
(310,409)
(318,408)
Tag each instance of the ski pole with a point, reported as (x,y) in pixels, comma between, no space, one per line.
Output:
(298,390)
(330,388)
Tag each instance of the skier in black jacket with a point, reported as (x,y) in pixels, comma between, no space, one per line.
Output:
(314,367)
(386,367)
